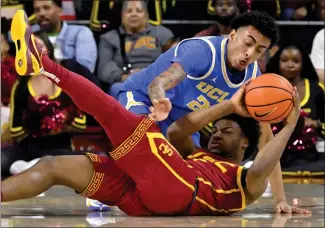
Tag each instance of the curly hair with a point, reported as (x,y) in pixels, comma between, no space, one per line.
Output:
(58,3)
(307,70)
(263,22)
(251,129)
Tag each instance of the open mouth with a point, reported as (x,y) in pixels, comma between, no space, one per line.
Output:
(45,22)
(242,62)
(214,144)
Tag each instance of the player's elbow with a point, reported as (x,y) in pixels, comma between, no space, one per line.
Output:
(255,183)
(173,132)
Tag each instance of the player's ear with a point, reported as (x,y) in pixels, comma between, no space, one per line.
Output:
(232,34)
(245,143)
(59,10)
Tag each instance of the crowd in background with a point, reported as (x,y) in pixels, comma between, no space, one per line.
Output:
(39,119)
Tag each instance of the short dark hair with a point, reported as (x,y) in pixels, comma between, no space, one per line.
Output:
(58,3)
(144,4)
(263,22)
(251,129)
(236,1)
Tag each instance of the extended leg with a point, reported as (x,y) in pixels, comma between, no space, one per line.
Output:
(93,176)
(72,171)
(91,99)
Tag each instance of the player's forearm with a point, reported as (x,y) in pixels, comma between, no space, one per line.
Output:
(269,156)
(165,81)
(194,121)
(156,89)
(276,183)
(275,177)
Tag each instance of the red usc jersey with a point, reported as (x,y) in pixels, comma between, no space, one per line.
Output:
(220,190)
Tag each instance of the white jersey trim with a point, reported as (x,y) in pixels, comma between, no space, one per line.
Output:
(213,50)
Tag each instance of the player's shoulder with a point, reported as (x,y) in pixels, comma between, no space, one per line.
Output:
(202,44)
(204,39)
(201,153)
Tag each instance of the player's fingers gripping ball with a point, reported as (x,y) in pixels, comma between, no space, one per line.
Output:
(269,98)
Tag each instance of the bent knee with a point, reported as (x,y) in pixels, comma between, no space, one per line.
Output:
(49,165)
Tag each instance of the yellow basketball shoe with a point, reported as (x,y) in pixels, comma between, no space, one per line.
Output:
(28,53)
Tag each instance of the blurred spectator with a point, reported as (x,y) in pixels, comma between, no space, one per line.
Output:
(133,46)
(317,54)
(307,10)
(225,12)
(106,14)
(69,41)
(316,11)
(9,7)
(42,117)
(293,63)
(272,7)
(8,72)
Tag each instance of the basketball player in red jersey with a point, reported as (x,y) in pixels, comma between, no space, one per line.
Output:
(145,175)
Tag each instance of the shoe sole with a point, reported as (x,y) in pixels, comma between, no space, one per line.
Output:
(27,62)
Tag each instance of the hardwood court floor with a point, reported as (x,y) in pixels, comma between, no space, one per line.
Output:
(60,207)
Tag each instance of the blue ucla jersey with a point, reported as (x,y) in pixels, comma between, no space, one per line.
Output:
(208,80)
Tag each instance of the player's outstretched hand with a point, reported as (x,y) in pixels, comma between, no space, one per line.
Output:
(284,207)
(295,113)
(238,100)
(160,109)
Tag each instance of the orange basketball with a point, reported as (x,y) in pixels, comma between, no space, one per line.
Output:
(269,98)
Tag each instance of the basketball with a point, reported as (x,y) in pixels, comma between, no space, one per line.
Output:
(269,98)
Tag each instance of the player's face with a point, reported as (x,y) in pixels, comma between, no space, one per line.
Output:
(226,10)
(47,15)
(246,45)
(227,139)
(134,16)
(290,63)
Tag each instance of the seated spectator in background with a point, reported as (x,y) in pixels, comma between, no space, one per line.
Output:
(8,78)
(293,63)
(316,11)
(8,72)
(133,46)
(225,12)
(42,118)
(69,41)
(317,54)
(307,10)
(9,7)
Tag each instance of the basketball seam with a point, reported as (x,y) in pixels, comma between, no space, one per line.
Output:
(269,103)
(267,87)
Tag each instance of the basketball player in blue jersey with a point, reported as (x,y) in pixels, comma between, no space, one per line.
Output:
(202,71)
